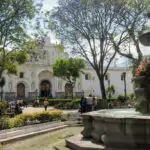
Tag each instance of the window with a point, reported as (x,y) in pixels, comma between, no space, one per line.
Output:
(79,86)
(21,75)
(32,74)
(87,77)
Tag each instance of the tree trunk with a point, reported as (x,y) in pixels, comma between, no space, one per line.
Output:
(72,92)
(103,91)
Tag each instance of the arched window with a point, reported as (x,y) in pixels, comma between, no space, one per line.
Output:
(87,76)
(79,86)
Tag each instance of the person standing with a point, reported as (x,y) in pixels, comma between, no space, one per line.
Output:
(94,103)
(45,103)
(83,105)
(89,101)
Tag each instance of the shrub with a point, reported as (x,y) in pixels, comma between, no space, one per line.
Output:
(4,123)
(24,119)
(15,122)
(112,99)
(3,107)
(132,96)
(121,97)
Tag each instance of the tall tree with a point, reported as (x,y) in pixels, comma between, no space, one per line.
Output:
(87,25)
(15,17)
(69,70)
(132,22)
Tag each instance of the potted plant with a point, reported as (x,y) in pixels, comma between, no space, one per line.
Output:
(142,84)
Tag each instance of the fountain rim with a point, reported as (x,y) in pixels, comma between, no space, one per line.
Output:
(110,114)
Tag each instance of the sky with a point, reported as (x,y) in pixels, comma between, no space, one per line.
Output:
(49,4)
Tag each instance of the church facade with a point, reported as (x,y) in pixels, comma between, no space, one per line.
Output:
(35,78)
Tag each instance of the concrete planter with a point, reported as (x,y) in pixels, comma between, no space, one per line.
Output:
(142,94)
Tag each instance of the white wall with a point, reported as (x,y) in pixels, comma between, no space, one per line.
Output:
(115,79)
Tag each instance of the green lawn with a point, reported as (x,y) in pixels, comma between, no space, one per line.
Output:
(46,141)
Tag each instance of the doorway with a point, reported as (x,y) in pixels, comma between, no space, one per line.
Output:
(45,89)
(20,90)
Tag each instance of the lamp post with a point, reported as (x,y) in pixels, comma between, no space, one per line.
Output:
(32,87)
(123,78)
(107,77)
(10,86)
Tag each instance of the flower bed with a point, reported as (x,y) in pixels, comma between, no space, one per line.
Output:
(26,119)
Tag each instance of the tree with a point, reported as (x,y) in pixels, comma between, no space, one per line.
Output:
(132,22)
(15,17)
(110,91)
(2,83)
(87,25)
(69,70)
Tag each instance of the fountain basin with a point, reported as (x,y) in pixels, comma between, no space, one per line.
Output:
(118,128)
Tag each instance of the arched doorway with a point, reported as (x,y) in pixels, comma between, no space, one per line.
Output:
(45,89)
(68,89)
(20,90)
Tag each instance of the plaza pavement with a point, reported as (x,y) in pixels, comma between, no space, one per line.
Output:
(40,109)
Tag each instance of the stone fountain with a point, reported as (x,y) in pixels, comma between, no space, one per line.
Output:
(119,129)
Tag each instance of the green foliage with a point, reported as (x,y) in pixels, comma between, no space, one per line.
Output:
(121,97)
(70,104)
(110,91)
(132,96)
(4,123)
(69,69)
(2,107)
(25,119)
(15,16)
(60,47)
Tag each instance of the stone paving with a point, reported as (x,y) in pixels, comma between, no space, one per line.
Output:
(40,109)
(28,131)
(50,141)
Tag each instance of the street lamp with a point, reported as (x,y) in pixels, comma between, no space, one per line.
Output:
(107,77)
(32,87)
(10,86)
(123,78)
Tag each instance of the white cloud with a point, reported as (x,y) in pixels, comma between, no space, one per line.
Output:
(49,4)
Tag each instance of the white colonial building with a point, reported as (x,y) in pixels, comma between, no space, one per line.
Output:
(35,78)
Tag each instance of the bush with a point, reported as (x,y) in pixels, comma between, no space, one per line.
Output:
(67,104)
(131,96)
(47,116)
(112,99)
(3,107)
(121,98)
(4,123)
(24,119)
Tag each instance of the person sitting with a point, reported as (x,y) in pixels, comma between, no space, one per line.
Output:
(18,110)
(83,105)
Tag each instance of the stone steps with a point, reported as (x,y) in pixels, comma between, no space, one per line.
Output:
(78,143)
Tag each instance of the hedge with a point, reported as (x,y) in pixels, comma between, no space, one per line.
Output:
(26,119)
(73,104)
(53,102)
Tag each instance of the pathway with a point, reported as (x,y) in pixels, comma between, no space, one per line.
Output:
(49,141)
(40,109)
